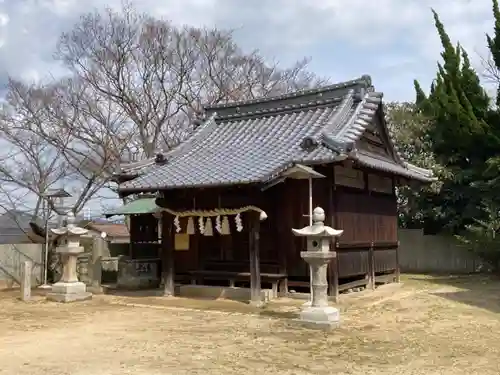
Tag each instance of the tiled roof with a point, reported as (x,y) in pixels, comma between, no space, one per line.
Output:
(254,141)
(138,206)
(112,230)
(137,167)
(408,170)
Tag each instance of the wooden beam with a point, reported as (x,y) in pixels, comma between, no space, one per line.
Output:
(254,251)
(371,267)
(167,252)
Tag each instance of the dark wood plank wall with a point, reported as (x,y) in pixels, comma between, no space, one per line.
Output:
(366,216)
(369,220)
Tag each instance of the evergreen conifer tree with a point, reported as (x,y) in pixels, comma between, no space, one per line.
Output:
(459,107)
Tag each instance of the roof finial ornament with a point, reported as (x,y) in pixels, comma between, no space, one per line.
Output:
(318,216)
(318,227)
(70,220)
(367,78)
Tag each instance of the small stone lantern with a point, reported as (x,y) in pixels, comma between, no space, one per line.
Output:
(69,289)
(318,255)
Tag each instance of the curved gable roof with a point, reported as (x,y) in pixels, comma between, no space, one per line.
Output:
(254,141)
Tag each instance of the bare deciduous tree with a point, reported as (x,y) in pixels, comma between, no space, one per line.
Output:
(58,133)
(160,75)
(29,164)
(135,82)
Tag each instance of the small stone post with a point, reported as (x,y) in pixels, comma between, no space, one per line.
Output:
(69,289)
(95,267)
(319,314)
(26,281)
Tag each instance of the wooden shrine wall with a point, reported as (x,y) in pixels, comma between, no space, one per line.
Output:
(366,209)
(365,218)
(144,237)
(213,252)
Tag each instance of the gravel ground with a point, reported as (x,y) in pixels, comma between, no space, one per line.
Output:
(423,326)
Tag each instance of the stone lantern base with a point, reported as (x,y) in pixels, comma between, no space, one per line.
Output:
(320,317)
(69,292)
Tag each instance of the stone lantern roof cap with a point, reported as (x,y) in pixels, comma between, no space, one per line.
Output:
(318,228)
(71,228)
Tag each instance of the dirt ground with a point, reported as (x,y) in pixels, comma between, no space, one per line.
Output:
(427,325)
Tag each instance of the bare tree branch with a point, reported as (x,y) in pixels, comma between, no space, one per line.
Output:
(135,85)
(160,75)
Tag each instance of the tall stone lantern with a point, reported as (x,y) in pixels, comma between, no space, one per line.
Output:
(318,255)
(69,289)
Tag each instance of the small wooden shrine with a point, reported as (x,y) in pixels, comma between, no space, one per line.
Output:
(228,196)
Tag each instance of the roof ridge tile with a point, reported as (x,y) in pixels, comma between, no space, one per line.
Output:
(362,117)
(364,81)
(279,110)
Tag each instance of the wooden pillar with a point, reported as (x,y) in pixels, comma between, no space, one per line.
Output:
(334,277)
(333,267)
(199,263)
(398,271)
(371,267)
(167,252)
(283,269)
(133,222)
(254,251)
(285,241)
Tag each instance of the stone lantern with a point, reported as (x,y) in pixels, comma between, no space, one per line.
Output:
(318,255)
(69,289)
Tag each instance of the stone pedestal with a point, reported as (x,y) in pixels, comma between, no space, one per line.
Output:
(69,292)
(317,313)
(69,289)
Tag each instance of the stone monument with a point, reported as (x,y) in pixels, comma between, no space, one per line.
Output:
(319,314)
(69,289)
(95,268)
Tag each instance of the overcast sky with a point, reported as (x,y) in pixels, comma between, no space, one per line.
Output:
(392,40)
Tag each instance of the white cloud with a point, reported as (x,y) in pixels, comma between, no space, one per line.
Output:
(393,40)
(386,38)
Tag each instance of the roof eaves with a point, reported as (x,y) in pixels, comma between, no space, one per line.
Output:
(181,148)
(407,170)
(157,188)
(425,172)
